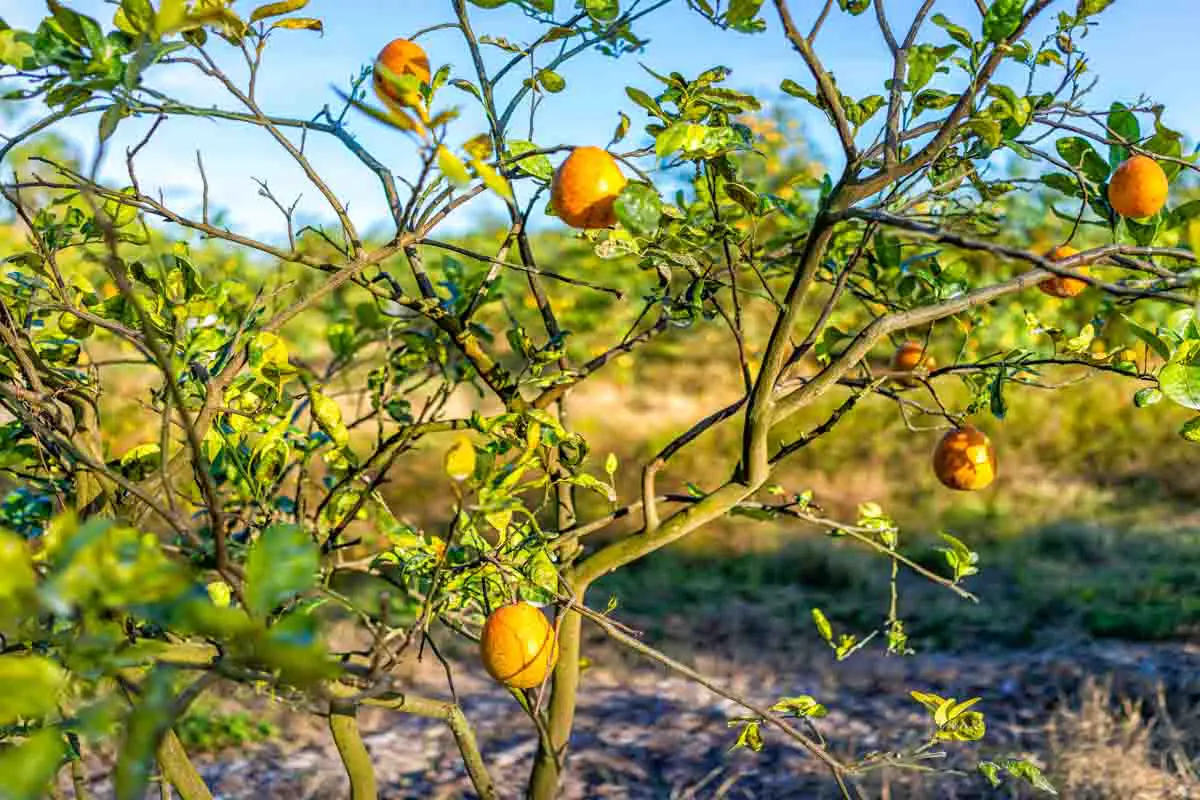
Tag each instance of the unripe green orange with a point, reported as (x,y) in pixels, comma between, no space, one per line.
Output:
(585,187)
(1138,188)
(518,646)
(73,326)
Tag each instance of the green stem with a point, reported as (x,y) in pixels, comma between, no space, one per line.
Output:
(547,769)
(343,725)
(178,769)
(464,735)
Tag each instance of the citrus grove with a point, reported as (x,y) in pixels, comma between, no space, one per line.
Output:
(250,521)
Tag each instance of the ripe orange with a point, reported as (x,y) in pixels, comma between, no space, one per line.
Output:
(518,646)
(400,57)
(1138,188)
(584,188)
(911,356)
(964,459)
(1059,285)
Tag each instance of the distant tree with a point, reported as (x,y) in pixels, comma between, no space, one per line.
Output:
(223,545)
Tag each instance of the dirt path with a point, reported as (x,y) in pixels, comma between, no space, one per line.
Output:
(645,734)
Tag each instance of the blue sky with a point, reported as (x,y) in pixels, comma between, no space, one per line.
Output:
(1139,47)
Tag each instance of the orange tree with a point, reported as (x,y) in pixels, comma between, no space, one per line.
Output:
(135,579)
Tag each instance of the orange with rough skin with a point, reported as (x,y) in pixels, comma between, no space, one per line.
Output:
(1138,188)
(400,57)
(1060,285)
(585,186)
(965,460)
(518,646)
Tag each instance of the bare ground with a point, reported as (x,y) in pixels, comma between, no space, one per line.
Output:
(1109,721)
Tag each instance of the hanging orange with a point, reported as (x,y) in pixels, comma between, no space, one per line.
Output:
(1061,285)
(518,646)
(585,187)
(1138,188)
(911,356)
(400,57)
(965,460)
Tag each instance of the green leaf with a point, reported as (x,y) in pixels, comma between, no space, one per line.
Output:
(30,686)
(542,572)
(1087,8)
(639,208)
(468,87)
(1149,337)
(1064,183)
(1002,19)
(956,32)
(139,14)
(801,706)
(823,626)
(1124,125)
(990,772)
(269,357)
(282,563)
(29,767)
(622,129)
(276,9)
(602,10)
(741,195)
(645,101)
(922,63)
(550,80)
(1180,382)
(538,166)
(1029,773)
(110,118)
(17,579)
(750,737)
(1144,398)
(1191,430)
(14,52)
(1079,153)
(742,12)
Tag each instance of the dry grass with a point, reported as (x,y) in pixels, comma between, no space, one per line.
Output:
(1117,749)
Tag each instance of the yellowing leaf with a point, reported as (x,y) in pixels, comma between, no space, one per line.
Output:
(276,9)
(460,459)
(300,24)
(492,179)
(220,593)
(328,415)
(500,521)
(29,687)
(452,166)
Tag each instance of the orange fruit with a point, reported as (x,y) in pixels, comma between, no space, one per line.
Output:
(585,186)
(1059,285)
(400,57)
(964,459)
(1138,188)
(518,646)
(911,356)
